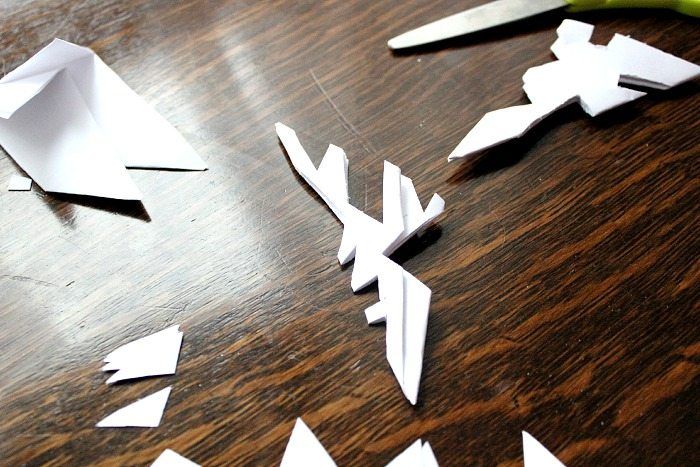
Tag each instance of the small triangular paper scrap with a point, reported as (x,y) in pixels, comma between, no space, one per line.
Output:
(19,183)
(170,458)
(303,449)
(152,355)
(536,455)
(146,412)
(418,454)
(74,126)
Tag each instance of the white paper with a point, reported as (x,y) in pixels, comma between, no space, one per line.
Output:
(404,302)
(585,73)
(73,125)
(404,217)
(416,455)
(304,450)
(536,455)
(170,458)
(19,183)
(152,355)
(146,412)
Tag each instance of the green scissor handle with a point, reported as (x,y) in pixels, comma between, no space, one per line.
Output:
(687,7)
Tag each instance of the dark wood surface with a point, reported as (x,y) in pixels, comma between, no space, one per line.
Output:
(564,271)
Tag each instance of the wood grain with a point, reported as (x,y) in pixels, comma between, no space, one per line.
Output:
(564,272)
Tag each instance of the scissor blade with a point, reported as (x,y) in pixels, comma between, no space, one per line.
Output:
(475,19)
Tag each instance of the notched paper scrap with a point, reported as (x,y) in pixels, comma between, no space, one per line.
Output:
(170,458)
(589,74)
(303,449)
(536,455)
(19,183)
(146,412)
(74,126)
(152,355)
(404,302)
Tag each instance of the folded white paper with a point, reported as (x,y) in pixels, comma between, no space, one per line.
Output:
(152,355)
(418,454)
(404,301)
(406,304)
(536,455)
(19,183)
(170,458)
(404,216)
(146,412)
(73,125)
(303,449)
(585,73)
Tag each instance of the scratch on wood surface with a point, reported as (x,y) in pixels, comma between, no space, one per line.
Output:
(344,121)
(28,279)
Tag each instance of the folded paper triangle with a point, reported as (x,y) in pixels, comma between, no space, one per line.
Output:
(73,125)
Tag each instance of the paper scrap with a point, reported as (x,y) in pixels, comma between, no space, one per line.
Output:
(152,355)
(404,301)
(585,73)
(404,216)
(303,449)
(73,125)
(536,455)
(170,458)
(19,183)
(146,412)
(416,455)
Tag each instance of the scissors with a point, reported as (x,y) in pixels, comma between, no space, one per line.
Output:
(500,12)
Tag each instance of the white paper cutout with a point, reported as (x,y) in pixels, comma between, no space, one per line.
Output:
(19,183)
(304,449)
(585,73)
(170,458)
(416,455)
(152,355)
(536,455)
(146,412)
(73,125)
(404,301)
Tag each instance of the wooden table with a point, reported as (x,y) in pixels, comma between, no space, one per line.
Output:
(564,271)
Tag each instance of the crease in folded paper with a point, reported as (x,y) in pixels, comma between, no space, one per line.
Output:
(74,126)
(146,412)
(404,302)
(152,355)
(587,74)
(304,449)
